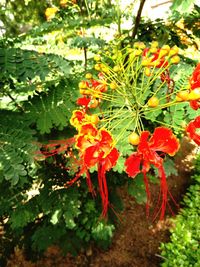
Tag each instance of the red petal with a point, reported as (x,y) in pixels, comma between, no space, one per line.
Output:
(88,129)
(92,155)
(106,142)
(149,155)
(111,159)
(191,130)
(83,101)
(132,164)
(164,140)
(195,79)
(194,104)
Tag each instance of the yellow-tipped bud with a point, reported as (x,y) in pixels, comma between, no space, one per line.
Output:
(97,67)
(94,119)
(178,99)
(153,102)
(147,72)
(184,95)
(166,47)
(134,139)
(82,85)
(116,68)
(194,94)
(137,52)
(163,52)
(88,75)
(113,85)
(175,59)
(153,50)
(97,58)
(154,44)
(173,51)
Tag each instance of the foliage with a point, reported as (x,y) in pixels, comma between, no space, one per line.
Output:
(51,109)
(183,248)
(42,60)
(17,148)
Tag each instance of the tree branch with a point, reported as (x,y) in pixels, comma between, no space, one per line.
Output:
(137,19)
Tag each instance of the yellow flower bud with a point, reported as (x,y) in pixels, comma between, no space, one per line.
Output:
(184,95)
(88,75)
(154,44)
(175,59)
(194,94)
(166,47)
(173,51)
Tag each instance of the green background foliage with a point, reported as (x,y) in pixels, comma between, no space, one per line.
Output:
(183,248)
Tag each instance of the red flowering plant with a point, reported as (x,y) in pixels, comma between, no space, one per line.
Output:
(130,111)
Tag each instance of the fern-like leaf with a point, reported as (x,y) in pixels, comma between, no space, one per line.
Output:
(16,149)
(52,109)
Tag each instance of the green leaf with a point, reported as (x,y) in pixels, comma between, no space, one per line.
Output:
(51,109)
(46,235)
(25,64)
(24,214)
(169,167)
(136,188)
(119,167)
(102,233)
(16,147)
(182,6)
(174,116)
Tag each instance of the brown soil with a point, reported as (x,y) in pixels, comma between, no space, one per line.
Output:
(137,239)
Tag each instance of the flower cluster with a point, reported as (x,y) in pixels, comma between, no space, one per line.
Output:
(137,91)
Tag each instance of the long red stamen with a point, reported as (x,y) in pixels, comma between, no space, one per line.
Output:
(162,195)
(89,184)
(75,179)
(103,188)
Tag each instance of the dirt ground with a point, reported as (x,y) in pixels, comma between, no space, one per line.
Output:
(136,241)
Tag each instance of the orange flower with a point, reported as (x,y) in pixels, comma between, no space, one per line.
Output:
(148,152)
(96,148)
(78,118)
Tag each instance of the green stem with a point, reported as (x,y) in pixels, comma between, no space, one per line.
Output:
(88,11)
(118,18)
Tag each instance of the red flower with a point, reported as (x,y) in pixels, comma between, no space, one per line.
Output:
(99,86)
(191,130)
(195,83)
(96,148)
(148,152)
(195,79)
(155,59)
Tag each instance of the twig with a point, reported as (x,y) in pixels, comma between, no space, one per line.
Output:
(157,255)
(16,104)
(85,57)
(163,3)
(137,19)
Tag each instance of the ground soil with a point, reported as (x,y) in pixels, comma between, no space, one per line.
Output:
(137,239)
